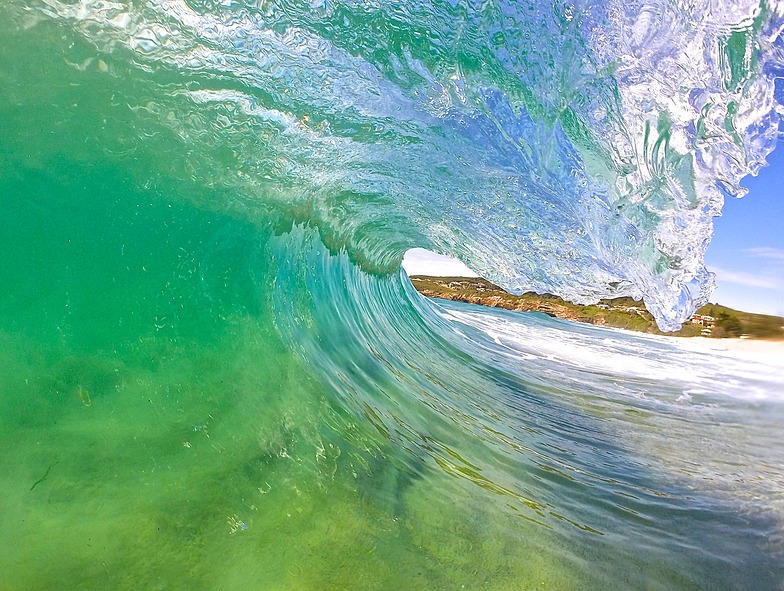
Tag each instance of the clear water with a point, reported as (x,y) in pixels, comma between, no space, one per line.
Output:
(215,376)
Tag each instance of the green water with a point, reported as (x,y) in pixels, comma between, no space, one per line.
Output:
(157,434)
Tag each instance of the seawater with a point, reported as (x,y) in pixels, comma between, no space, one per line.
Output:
(216,376)
(492,450)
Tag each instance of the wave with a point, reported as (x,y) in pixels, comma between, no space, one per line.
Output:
(577,149)
(218,372)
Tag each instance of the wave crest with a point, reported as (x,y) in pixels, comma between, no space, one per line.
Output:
(563,147)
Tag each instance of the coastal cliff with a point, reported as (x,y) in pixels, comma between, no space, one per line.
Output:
(712,320)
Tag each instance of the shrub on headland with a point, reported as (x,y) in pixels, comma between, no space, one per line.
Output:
(618,313)
(727,326)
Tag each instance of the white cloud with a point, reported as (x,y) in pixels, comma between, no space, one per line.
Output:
(419,261)
(766,252)
(764,281)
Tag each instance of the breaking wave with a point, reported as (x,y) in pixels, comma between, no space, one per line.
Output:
(567,147)
(218,376)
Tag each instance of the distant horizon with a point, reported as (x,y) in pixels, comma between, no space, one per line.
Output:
(710,303)
(419,261)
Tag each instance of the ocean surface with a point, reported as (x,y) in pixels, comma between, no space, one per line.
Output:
(214,374)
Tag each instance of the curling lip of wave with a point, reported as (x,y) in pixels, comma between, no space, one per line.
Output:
(584,153)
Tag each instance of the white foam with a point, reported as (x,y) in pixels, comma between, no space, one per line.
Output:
(747,370)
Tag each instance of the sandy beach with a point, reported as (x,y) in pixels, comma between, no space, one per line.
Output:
(768,352)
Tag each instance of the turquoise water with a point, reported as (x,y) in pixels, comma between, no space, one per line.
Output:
(215,375)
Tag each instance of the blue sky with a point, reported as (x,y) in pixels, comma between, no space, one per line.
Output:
(746,253)
(747,250)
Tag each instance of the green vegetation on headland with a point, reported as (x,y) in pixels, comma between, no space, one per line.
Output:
(712,320)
